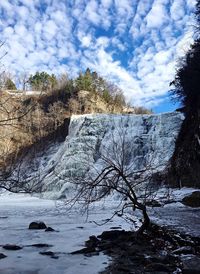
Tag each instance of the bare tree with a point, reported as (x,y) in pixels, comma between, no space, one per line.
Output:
(14,178)
(23,80)
(12,114)
(115,171)
(2,55)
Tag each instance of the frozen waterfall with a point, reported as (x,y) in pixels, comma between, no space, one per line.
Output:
(152,138)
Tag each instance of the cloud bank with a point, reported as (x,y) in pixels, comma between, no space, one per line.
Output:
(134,44)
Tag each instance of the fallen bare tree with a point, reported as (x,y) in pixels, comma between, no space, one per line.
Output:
(115,171)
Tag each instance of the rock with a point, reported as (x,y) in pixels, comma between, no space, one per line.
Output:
(12,247)
(92,242)
(49,229)
(41,245)
(90,254)
(166,259)
(158,267)
(111,235)
(156,251)
(193,200)
(85,250)
(2,256)
(47,253)
(105,245)
(191,265)
(190,271)
(153,203)
(54,257)
(37,225)
(183,240)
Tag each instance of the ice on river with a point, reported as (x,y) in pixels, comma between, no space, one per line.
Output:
(17,211)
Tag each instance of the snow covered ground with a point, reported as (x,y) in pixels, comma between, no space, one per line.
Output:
(17,211)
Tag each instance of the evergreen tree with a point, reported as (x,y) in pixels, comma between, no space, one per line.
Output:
(84,81)
(185,163)
(9,84)
(187,77)
(43,81)
(99,87)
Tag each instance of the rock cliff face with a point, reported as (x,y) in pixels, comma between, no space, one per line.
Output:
(152,139)
(185,162)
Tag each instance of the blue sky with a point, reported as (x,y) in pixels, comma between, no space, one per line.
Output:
(133,43)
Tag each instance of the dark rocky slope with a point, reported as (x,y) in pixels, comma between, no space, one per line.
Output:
(185,162)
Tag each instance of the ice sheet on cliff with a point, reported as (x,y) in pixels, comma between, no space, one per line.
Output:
(153,137)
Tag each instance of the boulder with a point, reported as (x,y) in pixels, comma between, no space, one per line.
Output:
(92,242)
(84,250)
(153,203)
(47,253)
(112,235)
(37,225)
(2,256)
(12,247)
(41,245)
(49,229)
(158,267)
(192,200)
(191,265)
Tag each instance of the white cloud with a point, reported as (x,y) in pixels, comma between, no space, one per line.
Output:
(157,15)
(102,41)
(49,29)
(6,5)
(38,27)
(191,3)
(143,7)
(59,17)
(124,8)
(103,63)
(177,10)
(104,35)
(91,12)
(7,32)
(106,3)
(118,44)
(22,11)
(85,39)
(184,44)
(162,57)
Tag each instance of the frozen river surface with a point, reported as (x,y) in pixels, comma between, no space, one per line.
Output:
(17,211)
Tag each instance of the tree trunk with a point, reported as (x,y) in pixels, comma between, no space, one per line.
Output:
(146,221)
